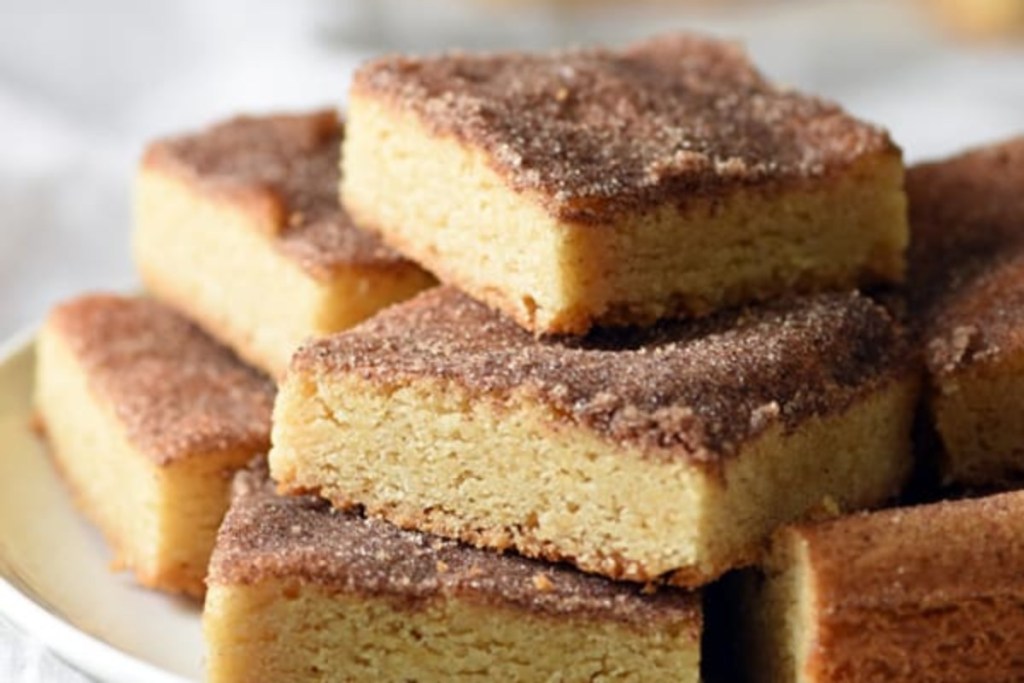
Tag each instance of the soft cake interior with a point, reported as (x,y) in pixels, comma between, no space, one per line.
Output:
(215,258)
(160,519)
(343,636)
(504,471)
(440,201)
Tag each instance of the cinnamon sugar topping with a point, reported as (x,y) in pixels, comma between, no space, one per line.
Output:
(596,132)
(176,391)
(967,255)
(694,389)
(372,557)
(290,165)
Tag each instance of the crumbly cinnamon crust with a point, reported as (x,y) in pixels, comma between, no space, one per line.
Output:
(966,256)
(930,593)
(858,552)
(270,536)
(289,164)
(696,389)
(176,391)
(599,132)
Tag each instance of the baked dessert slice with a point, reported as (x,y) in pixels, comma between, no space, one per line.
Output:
(239,227)
(967,267)
(607,187)
(299,593)
(147,418)
(923,594)
(640,454)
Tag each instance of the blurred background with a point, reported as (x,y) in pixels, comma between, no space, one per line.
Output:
(83,84)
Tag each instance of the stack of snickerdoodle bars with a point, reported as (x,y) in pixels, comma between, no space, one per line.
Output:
(671,340)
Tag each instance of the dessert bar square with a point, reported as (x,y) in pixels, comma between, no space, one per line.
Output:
(967,300)
(642,454)
(147,418)
(599,187)
(931,593)
(239,226)
(299,592)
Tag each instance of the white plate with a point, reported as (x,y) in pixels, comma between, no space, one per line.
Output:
(55,582)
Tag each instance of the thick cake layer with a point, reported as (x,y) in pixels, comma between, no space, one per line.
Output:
(924,594)
(967,268)
(623,186)
(670,451)
(148,417)
(239,226)
(299,592)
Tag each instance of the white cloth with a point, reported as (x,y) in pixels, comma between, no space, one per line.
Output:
(24,660)
(83,85)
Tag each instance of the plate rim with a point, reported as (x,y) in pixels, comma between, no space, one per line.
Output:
(85,652)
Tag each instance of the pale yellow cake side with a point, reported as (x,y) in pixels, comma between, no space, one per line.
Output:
(290,631)
(512,473)
(196,492)
(928,593)
(979,414)
(160,520)
(777,612)
(214,259)
(440,202)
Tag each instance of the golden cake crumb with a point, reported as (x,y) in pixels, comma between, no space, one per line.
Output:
(239,226)
(668,452)
(608,187)
(148,417)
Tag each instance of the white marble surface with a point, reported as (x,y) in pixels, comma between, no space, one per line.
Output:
(82,85)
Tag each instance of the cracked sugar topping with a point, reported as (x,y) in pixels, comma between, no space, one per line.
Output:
(300,537)
(175,390)
(967,255)
(599,132)
(289,164)
(694,389)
